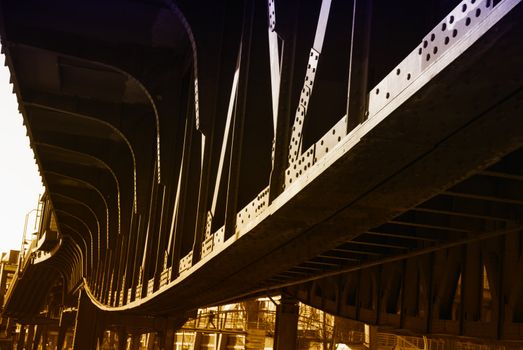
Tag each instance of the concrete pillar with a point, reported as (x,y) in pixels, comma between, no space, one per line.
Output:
(21,339)
(85,332)
(286,328)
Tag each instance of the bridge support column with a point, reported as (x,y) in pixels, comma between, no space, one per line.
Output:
(67,319)
(38,335)
(166,339)
(371,337)
(85,332)
(30,337)
(45,336)
(61,338)
(21,338)
(167,335)
(286,328)
(135,341)
(151,339)
(222,341)
(122,339)
(112,340)
(197,344)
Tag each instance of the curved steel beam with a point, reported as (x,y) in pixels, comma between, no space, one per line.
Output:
(64,263)
(90,187)
(190,35)
(80,203)
(76,211)
(82,223)
(69,254)
(49,254)
(79,253)
(58,260)
(96,161)
(60,271)
(68,257)
(100,179)
(100,120)
(106,196)
(63,53)
(72,235)
(56,145)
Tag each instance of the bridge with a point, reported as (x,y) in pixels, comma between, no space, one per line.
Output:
(362,157)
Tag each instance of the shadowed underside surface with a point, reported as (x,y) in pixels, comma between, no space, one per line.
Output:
(196,155)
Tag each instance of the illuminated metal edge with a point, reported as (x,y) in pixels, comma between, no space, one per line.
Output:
(46,255)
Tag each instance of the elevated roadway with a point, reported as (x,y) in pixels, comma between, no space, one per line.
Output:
(197,153)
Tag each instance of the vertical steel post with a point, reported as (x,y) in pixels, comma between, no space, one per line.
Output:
(177,229)
(38,335)
(122,338)
(239,118)
(21,338)
(85,332)
(282,133)
(358,64)
(135,341)
(30,337)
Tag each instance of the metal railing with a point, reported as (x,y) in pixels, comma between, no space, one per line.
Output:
(27,246)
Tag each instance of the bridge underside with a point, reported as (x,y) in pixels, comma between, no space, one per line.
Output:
(196,155)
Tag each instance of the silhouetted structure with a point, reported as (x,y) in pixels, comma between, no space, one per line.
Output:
(8,264)
(361,157)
